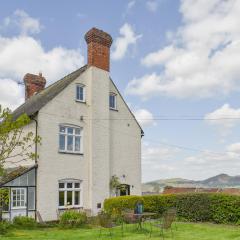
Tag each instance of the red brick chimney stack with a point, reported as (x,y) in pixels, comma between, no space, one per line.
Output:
(99,43)
(33,84)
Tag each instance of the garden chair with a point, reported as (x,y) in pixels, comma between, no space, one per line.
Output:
(128,217)
(168,218)
(105,222)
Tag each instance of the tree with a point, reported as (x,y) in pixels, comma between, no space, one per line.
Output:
(14,144)
(114,184)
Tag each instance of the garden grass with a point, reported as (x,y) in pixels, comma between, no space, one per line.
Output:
(185,231)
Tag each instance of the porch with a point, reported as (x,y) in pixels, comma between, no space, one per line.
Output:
(20,186)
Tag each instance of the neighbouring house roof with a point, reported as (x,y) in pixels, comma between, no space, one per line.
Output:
(36,102)
(232,191)
(13,173)
(178,190)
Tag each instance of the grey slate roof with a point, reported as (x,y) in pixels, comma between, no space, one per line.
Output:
(36,102)
(13,173)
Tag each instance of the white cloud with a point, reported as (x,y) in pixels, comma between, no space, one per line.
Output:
(152,5)
(235,147)
(11,94)
(202,60)
(156,161)
(230,118)
(223,161)
(22,54)
(153,153)
(131,4)
(145,86)
(24,22)
(159,57)
(128,37)
(144,117)
(162,161)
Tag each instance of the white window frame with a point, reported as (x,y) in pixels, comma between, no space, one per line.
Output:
(74,135)
(115,97)
(73,189)
(25,198)
(84,92)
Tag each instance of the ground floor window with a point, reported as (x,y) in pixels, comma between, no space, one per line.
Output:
(123,190)
(70,194)
(18,196)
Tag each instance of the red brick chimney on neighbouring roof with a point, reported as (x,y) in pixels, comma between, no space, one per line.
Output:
(99,43)
(33,84)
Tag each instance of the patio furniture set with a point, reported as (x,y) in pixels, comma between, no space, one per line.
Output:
(144,222)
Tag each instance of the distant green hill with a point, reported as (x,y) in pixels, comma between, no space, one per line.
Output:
(219,181)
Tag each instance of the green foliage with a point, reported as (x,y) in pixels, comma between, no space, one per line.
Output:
(4,227)
(13,142)
(114,183)
(119,204)
(203,207)
(4,197)
(71,218)
(24,222)
(194,207)
(4,200)
(225,208)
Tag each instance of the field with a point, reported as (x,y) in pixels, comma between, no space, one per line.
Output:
(185,231)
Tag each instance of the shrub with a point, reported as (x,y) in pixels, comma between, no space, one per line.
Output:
(211,207)
(4,227)
(225,208)
(194,207)
(118,204)
(24,222)
(72,218)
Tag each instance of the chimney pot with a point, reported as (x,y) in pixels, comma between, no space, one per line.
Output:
(33,84)
(99,43)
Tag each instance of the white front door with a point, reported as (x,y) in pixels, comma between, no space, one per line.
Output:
(18,202)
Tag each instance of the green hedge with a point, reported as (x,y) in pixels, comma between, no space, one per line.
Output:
(204,207)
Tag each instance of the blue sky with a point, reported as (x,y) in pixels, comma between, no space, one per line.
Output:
(175,60)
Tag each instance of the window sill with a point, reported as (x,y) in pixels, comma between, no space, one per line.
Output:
(73,153)
(18,208)
(79,101)
(70,207)
(113,109)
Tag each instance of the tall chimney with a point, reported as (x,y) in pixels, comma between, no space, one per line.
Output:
(33,84)
(99,43)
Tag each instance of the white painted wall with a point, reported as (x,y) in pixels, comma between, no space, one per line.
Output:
(54,166)
(125,145)
(110,147)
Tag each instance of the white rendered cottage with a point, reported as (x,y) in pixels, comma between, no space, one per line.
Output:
(88,135)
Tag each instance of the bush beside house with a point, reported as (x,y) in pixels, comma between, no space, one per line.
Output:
(71,219)
(203,207)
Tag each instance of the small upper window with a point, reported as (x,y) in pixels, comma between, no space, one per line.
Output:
(113,101)
(80,93)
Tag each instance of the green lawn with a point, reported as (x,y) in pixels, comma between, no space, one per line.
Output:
(184,231)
